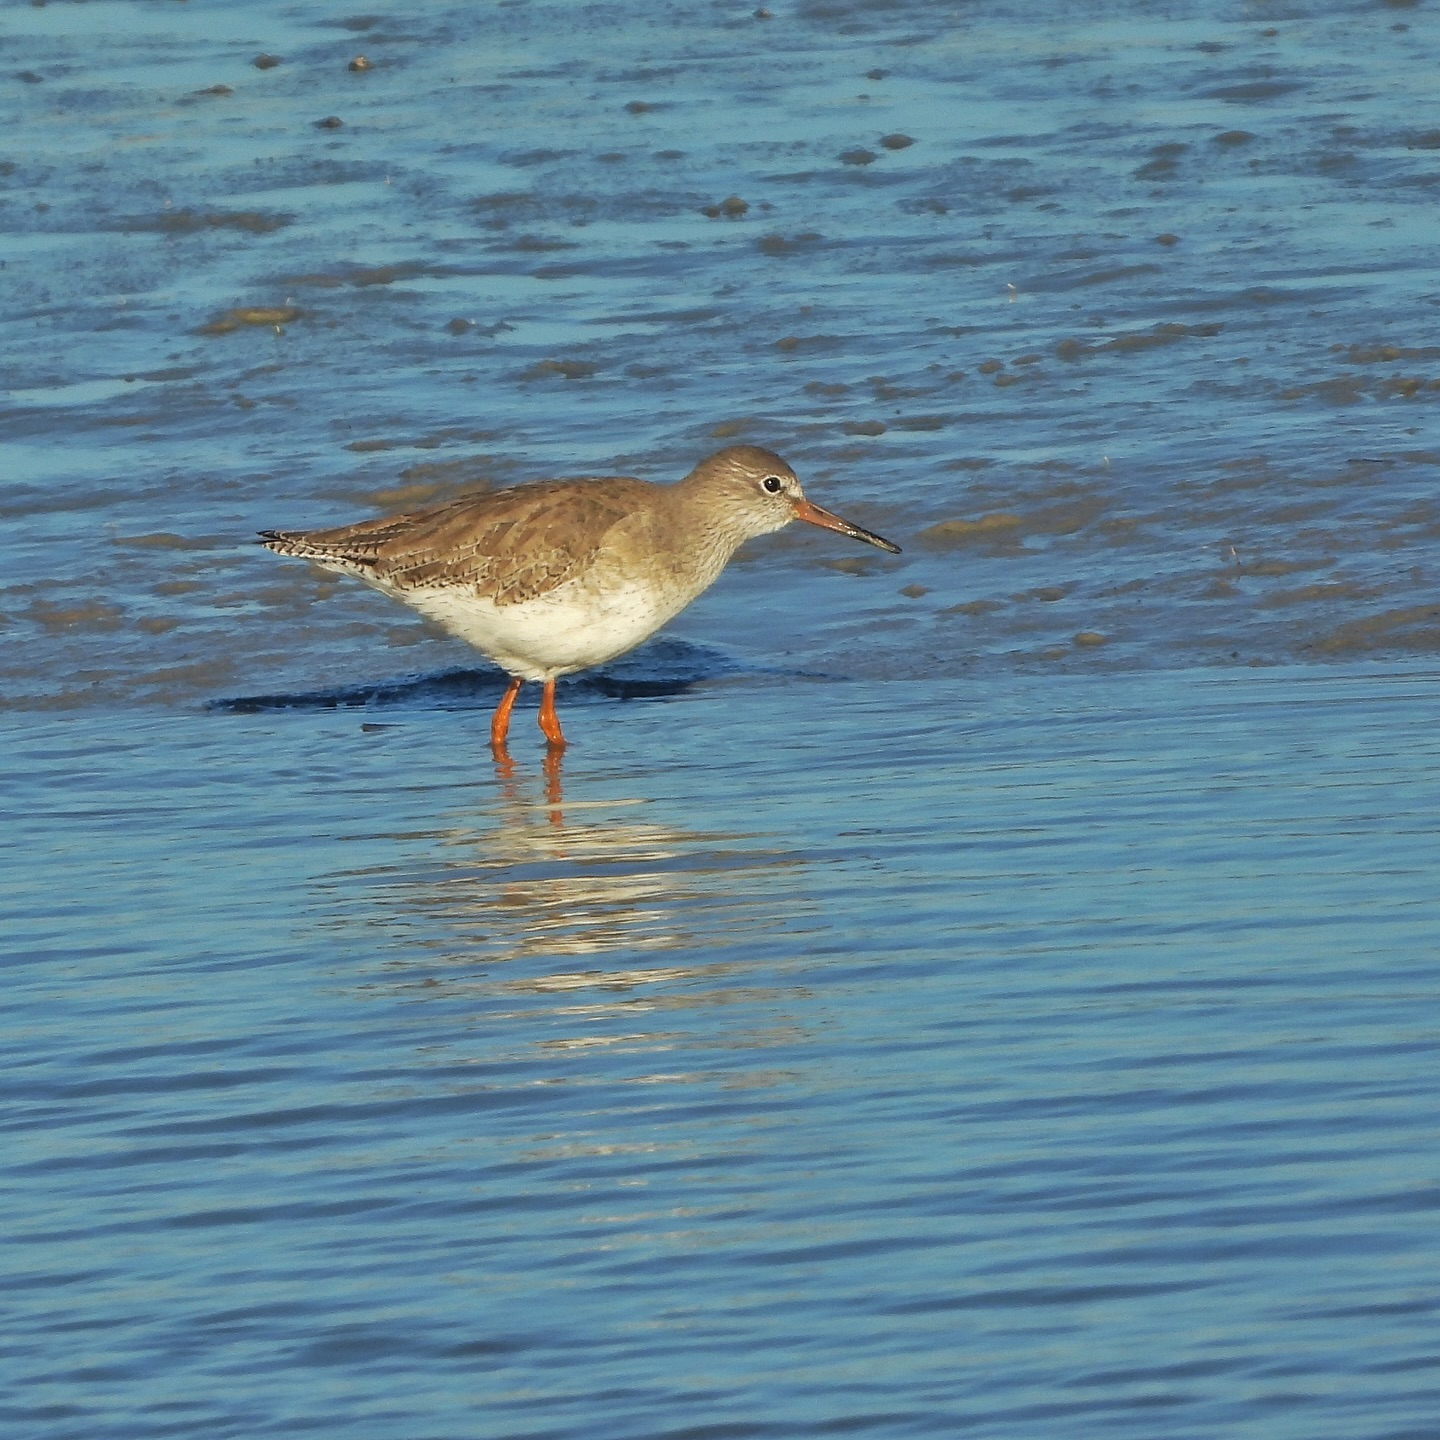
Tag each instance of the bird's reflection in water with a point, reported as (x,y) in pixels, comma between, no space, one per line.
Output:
(551,767)
(575,910)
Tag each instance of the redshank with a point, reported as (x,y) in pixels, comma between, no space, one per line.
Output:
(559,575)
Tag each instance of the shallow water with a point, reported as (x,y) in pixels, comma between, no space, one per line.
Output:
(1136,339)
(731,1080)
(987,990)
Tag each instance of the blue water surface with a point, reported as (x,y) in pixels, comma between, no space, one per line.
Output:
(1061,1065)
(984,991)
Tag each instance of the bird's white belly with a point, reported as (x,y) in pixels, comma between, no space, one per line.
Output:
(554,634)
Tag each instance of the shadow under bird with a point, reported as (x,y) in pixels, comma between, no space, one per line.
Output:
(558,575)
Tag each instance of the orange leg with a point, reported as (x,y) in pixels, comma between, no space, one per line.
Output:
(549,720)
(500,720)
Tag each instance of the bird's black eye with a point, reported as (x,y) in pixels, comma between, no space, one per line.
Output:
(773,484)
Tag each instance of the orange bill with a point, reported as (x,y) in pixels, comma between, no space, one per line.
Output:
(814,515)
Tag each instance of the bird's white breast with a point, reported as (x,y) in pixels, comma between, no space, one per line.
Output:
(568,629)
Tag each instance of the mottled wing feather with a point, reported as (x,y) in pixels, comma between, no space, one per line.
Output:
(508,546)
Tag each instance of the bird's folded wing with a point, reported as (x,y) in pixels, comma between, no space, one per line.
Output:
(507,546)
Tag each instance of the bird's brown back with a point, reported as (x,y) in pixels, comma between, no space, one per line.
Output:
(508,546)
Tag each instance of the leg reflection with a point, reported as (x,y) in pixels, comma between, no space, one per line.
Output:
(504,771)
(554,795)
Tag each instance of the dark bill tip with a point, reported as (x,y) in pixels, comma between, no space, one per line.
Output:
(813,514)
